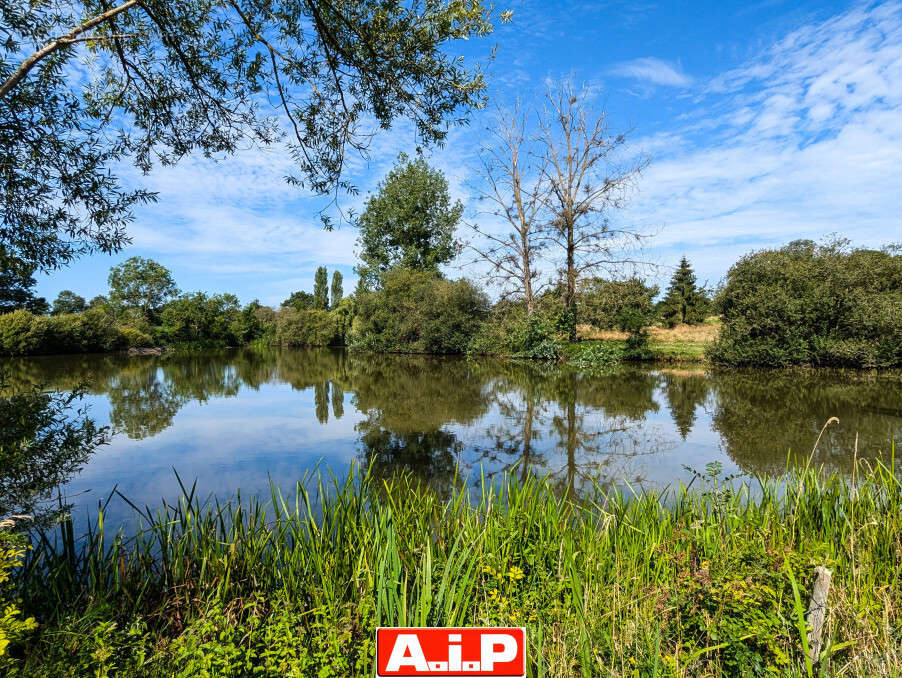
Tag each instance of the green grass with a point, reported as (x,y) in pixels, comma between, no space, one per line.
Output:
(705,581)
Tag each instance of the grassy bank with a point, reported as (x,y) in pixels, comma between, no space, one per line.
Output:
(683,343)
(698,582)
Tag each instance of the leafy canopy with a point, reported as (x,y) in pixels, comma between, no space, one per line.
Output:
(166,79)
(16,287)
(409,223)
(68,302)
(807,303)
(141,284)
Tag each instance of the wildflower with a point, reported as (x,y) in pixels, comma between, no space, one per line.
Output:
(515,573)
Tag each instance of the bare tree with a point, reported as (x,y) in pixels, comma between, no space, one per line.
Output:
(586,182)
(514,187)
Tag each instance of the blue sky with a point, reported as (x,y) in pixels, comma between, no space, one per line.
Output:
(765,122)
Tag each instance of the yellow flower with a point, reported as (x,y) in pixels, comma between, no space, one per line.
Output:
(515,573)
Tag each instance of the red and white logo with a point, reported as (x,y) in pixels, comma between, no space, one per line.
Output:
(499,652)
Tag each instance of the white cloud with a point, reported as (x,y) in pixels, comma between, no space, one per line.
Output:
(651,70)
(804,141)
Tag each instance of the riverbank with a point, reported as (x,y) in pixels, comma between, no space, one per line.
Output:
(701,582)
(683,343)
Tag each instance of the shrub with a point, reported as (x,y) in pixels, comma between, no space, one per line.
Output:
(132,337)
(812,304)
(616,304)
(308,328)
(16,333)
(511,331)
(419,312)
(12,625)
(95,330)
(595,356)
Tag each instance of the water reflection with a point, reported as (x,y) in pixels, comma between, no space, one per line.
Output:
(442,418)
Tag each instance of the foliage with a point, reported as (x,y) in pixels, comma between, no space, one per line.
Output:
(299,301)
(693,582)
(336,291)
(511,330)
(595,356)
(187,77)
(68,302)
(419,312)
(812,304)
(16,287)
(409,223)
(615,304)
(13,627)
(141,284)
(684,302)
(95,330)
(44,439)
(321,289)
(215,319)
(309,328)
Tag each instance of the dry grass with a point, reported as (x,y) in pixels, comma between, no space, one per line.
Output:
(697,334)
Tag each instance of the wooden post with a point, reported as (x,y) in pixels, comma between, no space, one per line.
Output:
(817,611)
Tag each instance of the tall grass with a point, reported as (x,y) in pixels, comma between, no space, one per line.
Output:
(700,581)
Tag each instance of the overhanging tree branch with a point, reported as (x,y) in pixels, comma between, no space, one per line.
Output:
(73,36)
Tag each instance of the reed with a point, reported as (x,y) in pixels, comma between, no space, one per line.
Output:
(705,580)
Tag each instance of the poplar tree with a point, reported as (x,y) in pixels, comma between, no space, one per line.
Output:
(321,289)
(685,301)
(336,290)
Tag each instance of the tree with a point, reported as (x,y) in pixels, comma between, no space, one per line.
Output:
(16,287)
(99,301)
(336,288)
(174,78)
(616,304)
(300,301)
(588,180)
(419,312)
(409,223)
(827,305)
(321,289)
(141,284)
(198,318)
(514,186)
(68,302)
(685,302)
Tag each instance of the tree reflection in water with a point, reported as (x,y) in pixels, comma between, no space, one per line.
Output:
(440,417)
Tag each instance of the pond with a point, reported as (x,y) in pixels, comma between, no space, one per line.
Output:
(239,419)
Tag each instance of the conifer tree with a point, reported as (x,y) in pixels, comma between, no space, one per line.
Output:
(321,289)
(685,301)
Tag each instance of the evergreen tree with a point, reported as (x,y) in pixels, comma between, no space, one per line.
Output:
(685,301)
(321,289)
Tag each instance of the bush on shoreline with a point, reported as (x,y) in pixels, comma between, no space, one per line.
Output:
(823,305)
(418,312)
(693,583)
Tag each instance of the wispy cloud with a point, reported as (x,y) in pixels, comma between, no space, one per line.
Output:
(802,141)
(651,70)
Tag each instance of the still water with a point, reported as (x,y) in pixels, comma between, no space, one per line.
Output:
(238,419)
